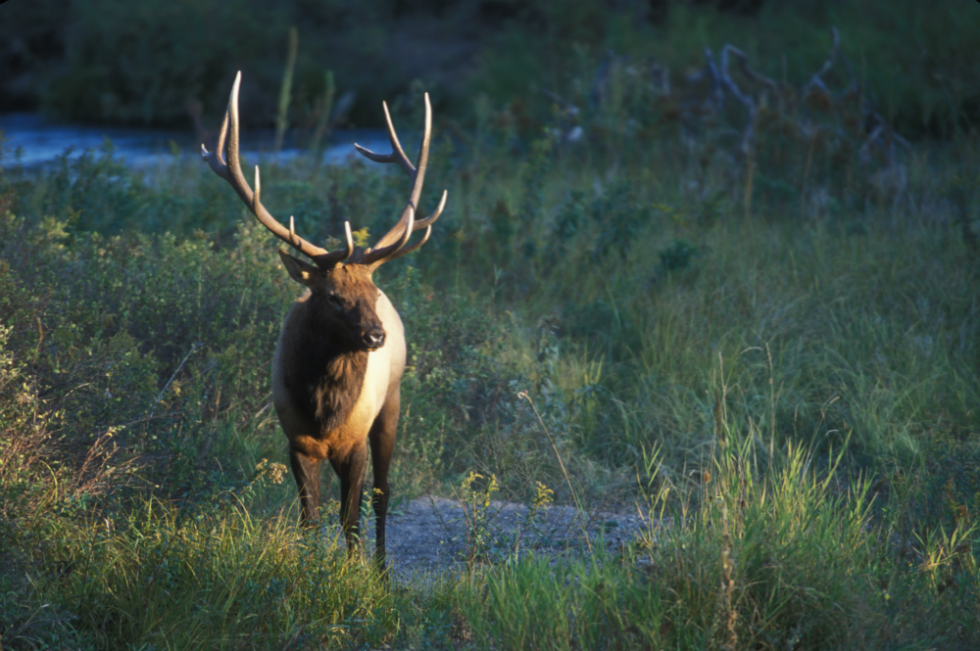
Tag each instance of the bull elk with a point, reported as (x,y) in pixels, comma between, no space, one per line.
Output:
(341,351)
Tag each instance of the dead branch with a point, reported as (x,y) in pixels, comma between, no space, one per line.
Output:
(563,103)
(817,79)
(743,65)
(717,93)
(748,133)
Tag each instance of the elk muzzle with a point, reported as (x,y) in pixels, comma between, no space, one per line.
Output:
(373,338)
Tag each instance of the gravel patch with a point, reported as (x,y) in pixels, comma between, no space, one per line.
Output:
(432,536)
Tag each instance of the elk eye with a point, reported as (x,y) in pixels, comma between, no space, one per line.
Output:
(335,301)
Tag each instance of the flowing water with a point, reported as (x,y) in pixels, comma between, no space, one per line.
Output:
(28,140)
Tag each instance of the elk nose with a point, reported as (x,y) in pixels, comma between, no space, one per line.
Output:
(374,338)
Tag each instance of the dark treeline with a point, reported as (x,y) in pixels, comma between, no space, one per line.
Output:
(116,62)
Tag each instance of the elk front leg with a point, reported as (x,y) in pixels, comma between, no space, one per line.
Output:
(306,470)
(382,439)
(351,473)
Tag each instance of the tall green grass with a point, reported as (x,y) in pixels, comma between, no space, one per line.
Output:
(157,576)
(788,557)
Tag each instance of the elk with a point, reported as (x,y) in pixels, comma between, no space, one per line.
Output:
(341,350)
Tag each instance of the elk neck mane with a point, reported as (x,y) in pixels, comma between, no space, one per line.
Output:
(326,374)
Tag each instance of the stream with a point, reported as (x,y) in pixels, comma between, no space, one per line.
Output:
(30,141)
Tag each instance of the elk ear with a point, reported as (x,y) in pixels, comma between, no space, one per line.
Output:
(299,270)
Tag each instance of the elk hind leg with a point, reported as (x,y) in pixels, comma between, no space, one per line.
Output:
(382,439)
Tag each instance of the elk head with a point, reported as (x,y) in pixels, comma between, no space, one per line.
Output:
(341,300)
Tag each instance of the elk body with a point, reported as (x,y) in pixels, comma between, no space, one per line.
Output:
(341,350)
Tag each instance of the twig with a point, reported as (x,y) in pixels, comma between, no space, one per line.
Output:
(727,81)
(717,93)
(156,402)
(560,101)
(442,520)
(30,621)
(326,108)
(77,485)
(578,505)
(743,65)
(816,79)
(748,135)
(282,117)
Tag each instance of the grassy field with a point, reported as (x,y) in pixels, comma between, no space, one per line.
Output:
(775,352)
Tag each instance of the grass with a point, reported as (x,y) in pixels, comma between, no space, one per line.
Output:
(789,390)
(159,577)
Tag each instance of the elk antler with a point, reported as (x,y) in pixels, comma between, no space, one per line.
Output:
(392,244)
(231,171)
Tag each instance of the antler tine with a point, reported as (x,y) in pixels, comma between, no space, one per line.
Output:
(397,154)
(392,244)
(406,250)
(417,172)
(397,250)
(231,171)
(350,239)
(320,256)
(216,158)
(375,257)
(422,223)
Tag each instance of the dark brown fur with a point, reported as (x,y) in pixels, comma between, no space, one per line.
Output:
(326,373)
(339,388)
(324,377)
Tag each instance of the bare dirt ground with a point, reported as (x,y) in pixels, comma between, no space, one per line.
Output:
(432,536)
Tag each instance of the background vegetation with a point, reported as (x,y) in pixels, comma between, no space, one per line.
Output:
(108,61)
(773,350)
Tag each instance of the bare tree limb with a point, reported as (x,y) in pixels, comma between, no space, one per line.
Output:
(748,135)
(817,78)
(717,93)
